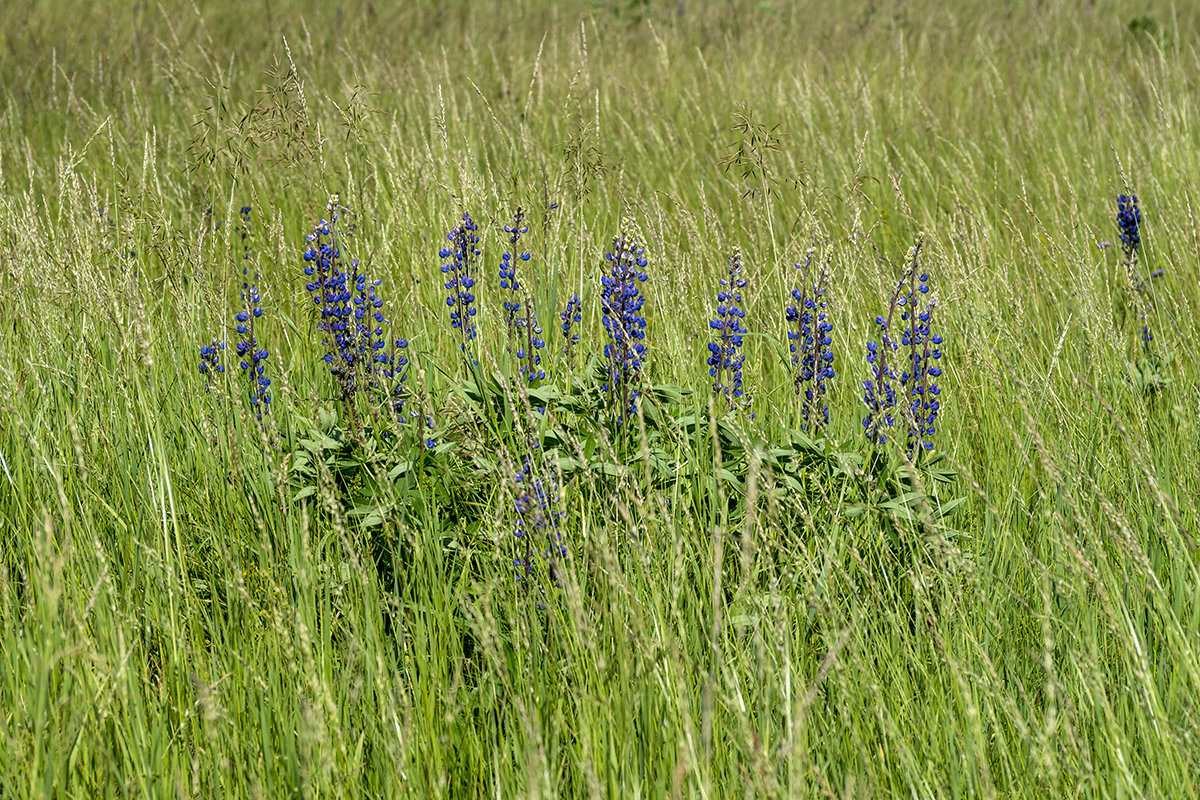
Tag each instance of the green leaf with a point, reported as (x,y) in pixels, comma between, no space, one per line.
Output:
(803,443)
(668,393)
(729,476)
(942,475)
(611,470)
(370,514)
(568,466)
(948,508)
(307,491)
(901,501)
(398,470)
(792,483)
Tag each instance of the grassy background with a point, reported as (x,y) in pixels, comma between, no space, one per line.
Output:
(171,624)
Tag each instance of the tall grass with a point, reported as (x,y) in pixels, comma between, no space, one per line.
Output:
(174,623)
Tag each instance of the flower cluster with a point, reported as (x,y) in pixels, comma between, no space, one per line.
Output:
(621,302)
(460,270)
(326,264)
(1147,336)
(912,393)
(922,371)
(811,345)
(569,316)
(369,357)
(725,354)
(879,392)
(538,525)
(524,334)
(253,357)
(1129,221)
(210,359)
(352,322)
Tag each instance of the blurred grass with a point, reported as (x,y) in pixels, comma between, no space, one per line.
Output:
(171,625)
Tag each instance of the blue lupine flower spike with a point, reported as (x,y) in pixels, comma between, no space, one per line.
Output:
(621,303)
(510,285)
(524,333)
(902,389)
(538,528)
(725,356)
(810,342)
(253,357)
(243,231)
(570,316)
(210,361)
(397,371)
(1129,222)
(461,268)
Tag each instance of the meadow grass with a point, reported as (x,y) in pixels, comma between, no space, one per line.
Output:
(173,622)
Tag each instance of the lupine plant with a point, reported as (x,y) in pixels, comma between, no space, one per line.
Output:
(538,529)
(324,264)
(811,345)
(524,333)
(922,369)
(1129,223)
(621,302)
(909,397)
(510,285)
(334,275)
(725,354)
(460,269)
(253,357)
(1149,368)
(352,322)
(569,316)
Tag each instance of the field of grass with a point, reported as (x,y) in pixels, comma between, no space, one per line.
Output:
(196,602)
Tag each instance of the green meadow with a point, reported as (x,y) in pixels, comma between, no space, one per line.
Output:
(200,599)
